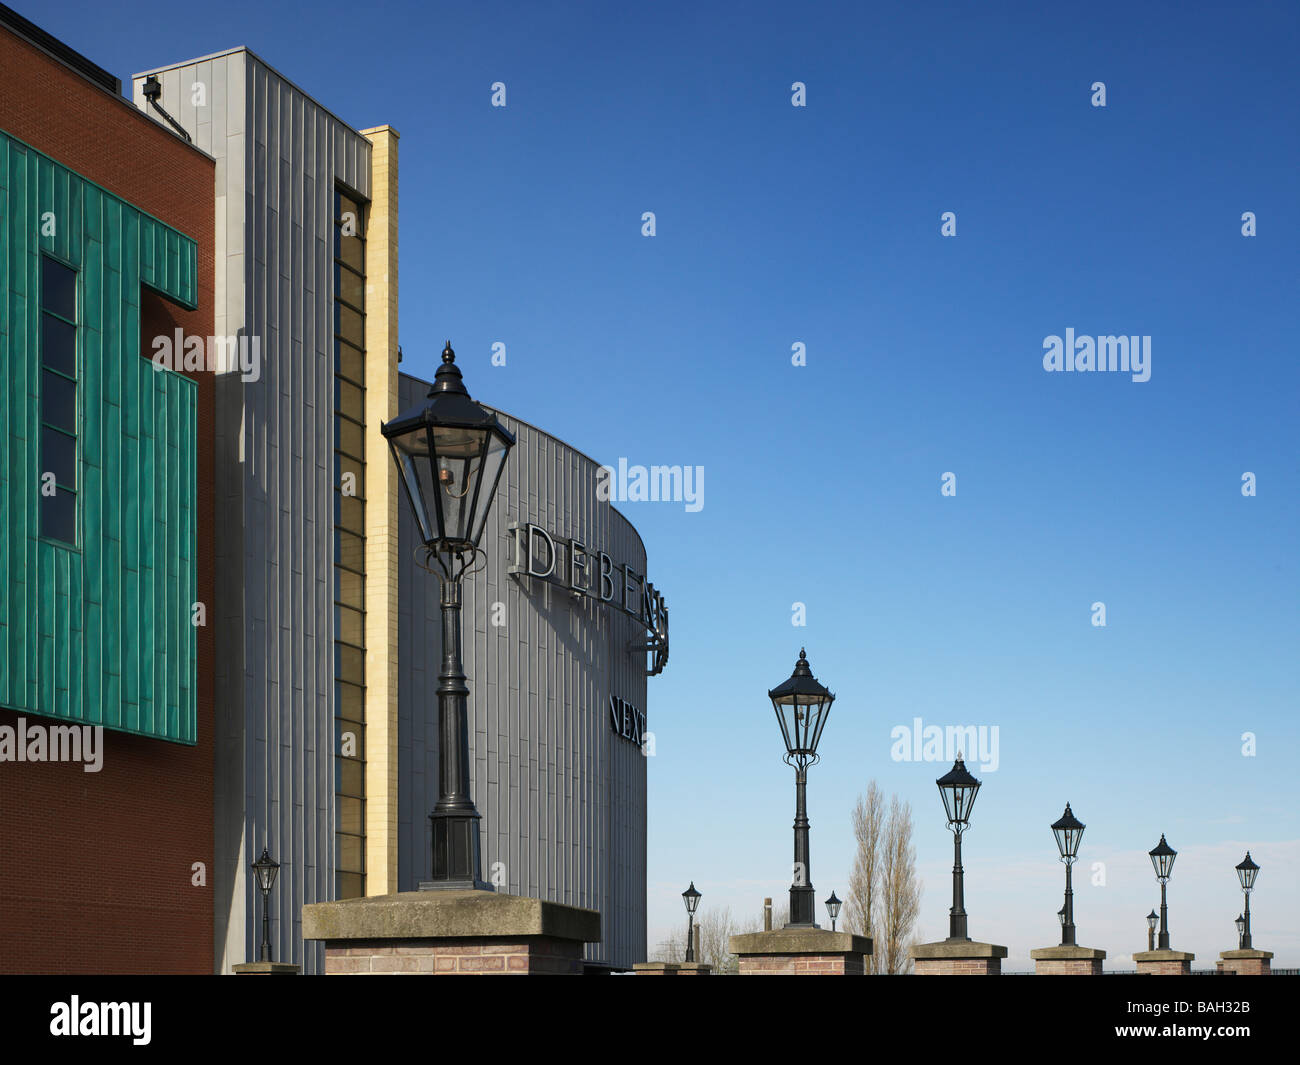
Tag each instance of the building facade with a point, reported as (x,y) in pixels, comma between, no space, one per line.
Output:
(306,253)
(222,573)
(106,546)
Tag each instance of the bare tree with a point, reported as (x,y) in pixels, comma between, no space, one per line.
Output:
(900,893)
(673,948)
(716,929)
(864,882)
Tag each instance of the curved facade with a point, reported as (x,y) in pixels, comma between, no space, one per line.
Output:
(561,789)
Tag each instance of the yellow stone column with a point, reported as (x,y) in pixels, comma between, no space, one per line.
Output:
(381,516)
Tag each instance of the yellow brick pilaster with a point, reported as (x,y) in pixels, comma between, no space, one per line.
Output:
(382,492)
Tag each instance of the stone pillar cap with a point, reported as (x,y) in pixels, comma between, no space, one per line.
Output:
(799,941)
(1163,955)
(948,949)
(1239,955)
(1060,953)
(447,915)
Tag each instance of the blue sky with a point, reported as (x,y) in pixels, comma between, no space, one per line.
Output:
(820,225)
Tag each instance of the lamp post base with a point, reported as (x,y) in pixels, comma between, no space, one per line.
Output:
(456,856)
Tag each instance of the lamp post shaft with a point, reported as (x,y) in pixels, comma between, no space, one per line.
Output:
(1067,929)
(266,927)
(456,853)
(803,905)
(1151,938)
(957,915)
(690,937)
(1245,935)
(1164,918)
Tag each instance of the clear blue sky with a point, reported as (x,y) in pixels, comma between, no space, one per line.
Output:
(821,225)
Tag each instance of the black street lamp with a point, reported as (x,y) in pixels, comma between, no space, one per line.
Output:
(692,899)
(958,789)
(1068,832)
(1153,919)
(450,453)
(1240,922)
(266,869)
(833,908)
(1246,873)
(1162,859)
(802,707)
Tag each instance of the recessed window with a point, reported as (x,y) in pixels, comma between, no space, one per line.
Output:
(58,289)
(58,390)
(349,543)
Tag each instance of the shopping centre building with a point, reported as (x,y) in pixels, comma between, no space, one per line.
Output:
(199,324)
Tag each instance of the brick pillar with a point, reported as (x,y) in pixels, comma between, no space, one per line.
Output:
(801,952)
(671,968)
(1246,962)
(451,933)
(958,957)
(1067,961)
(1164,963)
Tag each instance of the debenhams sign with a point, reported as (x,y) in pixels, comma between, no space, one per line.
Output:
(583,573)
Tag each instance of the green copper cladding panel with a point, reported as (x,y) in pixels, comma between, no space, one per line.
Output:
(98,632)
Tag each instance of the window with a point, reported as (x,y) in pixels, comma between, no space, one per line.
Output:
(349,546)
(58,391)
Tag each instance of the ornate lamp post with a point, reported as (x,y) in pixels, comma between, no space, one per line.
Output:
(266,869)
(1246,873)
(450,453)
(1068,832)
(958,789)
(833,908)
(802,707)
(1240,922)
(1153,919)
(692,899)
(1162,859)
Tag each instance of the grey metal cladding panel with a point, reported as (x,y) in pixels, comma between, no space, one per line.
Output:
(563,799)
(288,546)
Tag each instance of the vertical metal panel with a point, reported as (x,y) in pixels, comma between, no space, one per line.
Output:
(563,798)
(98,633)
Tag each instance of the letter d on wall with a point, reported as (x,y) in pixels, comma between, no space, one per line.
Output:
(535,531)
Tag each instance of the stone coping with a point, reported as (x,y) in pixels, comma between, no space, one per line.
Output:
(1163,955)
(957,948)
(447,915)
(266,968)
(669,968)
(1060,953)
(1241,955)
(799,941)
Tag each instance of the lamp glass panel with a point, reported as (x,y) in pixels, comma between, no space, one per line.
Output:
(459,455)
(412,454)
(493,463)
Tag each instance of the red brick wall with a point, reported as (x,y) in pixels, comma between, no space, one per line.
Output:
(802,965)
(1164,968)
(95,868)
(1246,966)
(1068,967)
(958,966)
(486,956)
